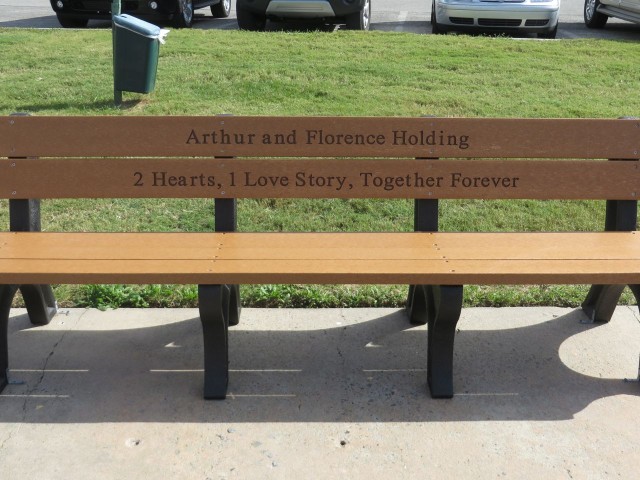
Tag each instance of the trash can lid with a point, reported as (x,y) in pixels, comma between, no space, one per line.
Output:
(136,25)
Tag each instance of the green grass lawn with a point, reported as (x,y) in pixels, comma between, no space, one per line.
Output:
(66,72)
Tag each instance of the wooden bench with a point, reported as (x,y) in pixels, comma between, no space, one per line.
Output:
(227,158)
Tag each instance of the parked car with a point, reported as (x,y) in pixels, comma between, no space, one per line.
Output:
(77,13)
(502,16)
(597,12)
(253,14)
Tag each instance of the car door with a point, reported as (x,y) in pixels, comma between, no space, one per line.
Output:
(632,5)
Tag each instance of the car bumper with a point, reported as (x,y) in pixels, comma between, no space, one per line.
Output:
(101,9)
(531,16)
(302,8)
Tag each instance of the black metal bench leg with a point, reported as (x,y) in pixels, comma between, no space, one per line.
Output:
(444,305)
(40,302)
(7,293)
(601,302)
(417,307)
(235,305)
(213,303)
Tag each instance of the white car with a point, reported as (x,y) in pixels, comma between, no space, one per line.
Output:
(503,16)
(597,12)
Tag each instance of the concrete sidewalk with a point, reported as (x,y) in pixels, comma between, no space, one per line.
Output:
(321,394)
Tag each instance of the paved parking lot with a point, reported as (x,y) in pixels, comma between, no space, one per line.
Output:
(387,15)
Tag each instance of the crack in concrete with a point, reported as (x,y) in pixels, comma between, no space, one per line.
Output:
(43,371)
(634,311)
(30,391)
(6,441)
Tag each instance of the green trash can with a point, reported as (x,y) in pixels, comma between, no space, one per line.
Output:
(136,44)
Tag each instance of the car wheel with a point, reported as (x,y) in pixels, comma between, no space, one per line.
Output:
(222,9)
(360,20)
(71,22)
(184,15)
(247,20)
(436,28)
(551,34)
(593,18)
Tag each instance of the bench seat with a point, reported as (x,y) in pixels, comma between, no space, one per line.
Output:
(442,258)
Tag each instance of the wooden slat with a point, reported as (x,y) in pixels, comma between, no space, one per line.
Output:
(539,245)
(193,246)
(322,246)
(610,257)
(415,245)
(420,246)
(116,246)
(322,271)
(434,271)
(318,136)
(317,178)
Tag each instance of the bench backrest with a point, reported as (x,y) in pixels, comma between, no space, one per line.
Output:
(323,157)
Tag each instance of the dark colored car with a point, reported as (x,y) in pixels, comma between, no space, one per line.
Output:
(597,12)
(253,14)
(77,13)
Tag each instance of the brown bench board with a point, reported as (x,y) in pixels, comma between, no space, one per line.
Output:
(147,136)
(317,178)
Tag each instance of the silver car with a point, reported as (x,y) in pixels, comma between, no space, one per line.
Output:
(253,14)
(597,12)
(502,16)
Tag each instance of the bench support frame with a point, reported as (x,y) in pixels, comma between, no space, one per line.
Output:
(24,216)
(601,301)
(425,219)
(40,301)
(7,293)
(444,304)
(213,303)
(226,220)
(220,308)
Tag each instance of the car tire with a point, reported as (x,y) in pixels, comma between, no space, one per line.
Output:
(436,28)
(221,9)
(360,20)
(184,15)
(71,22)
(593,18)
(247,20)
(551,34)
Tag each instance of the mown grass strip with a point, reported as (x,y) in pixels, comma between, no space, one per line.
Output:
(65,72)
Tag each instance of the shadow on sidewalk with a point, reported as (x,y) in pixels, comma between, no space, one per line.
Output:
(304,370)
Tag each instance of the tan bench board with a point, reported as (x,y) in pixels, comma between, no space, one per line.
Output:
(437,258)
(100,136)
(298,178)
(337,246)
